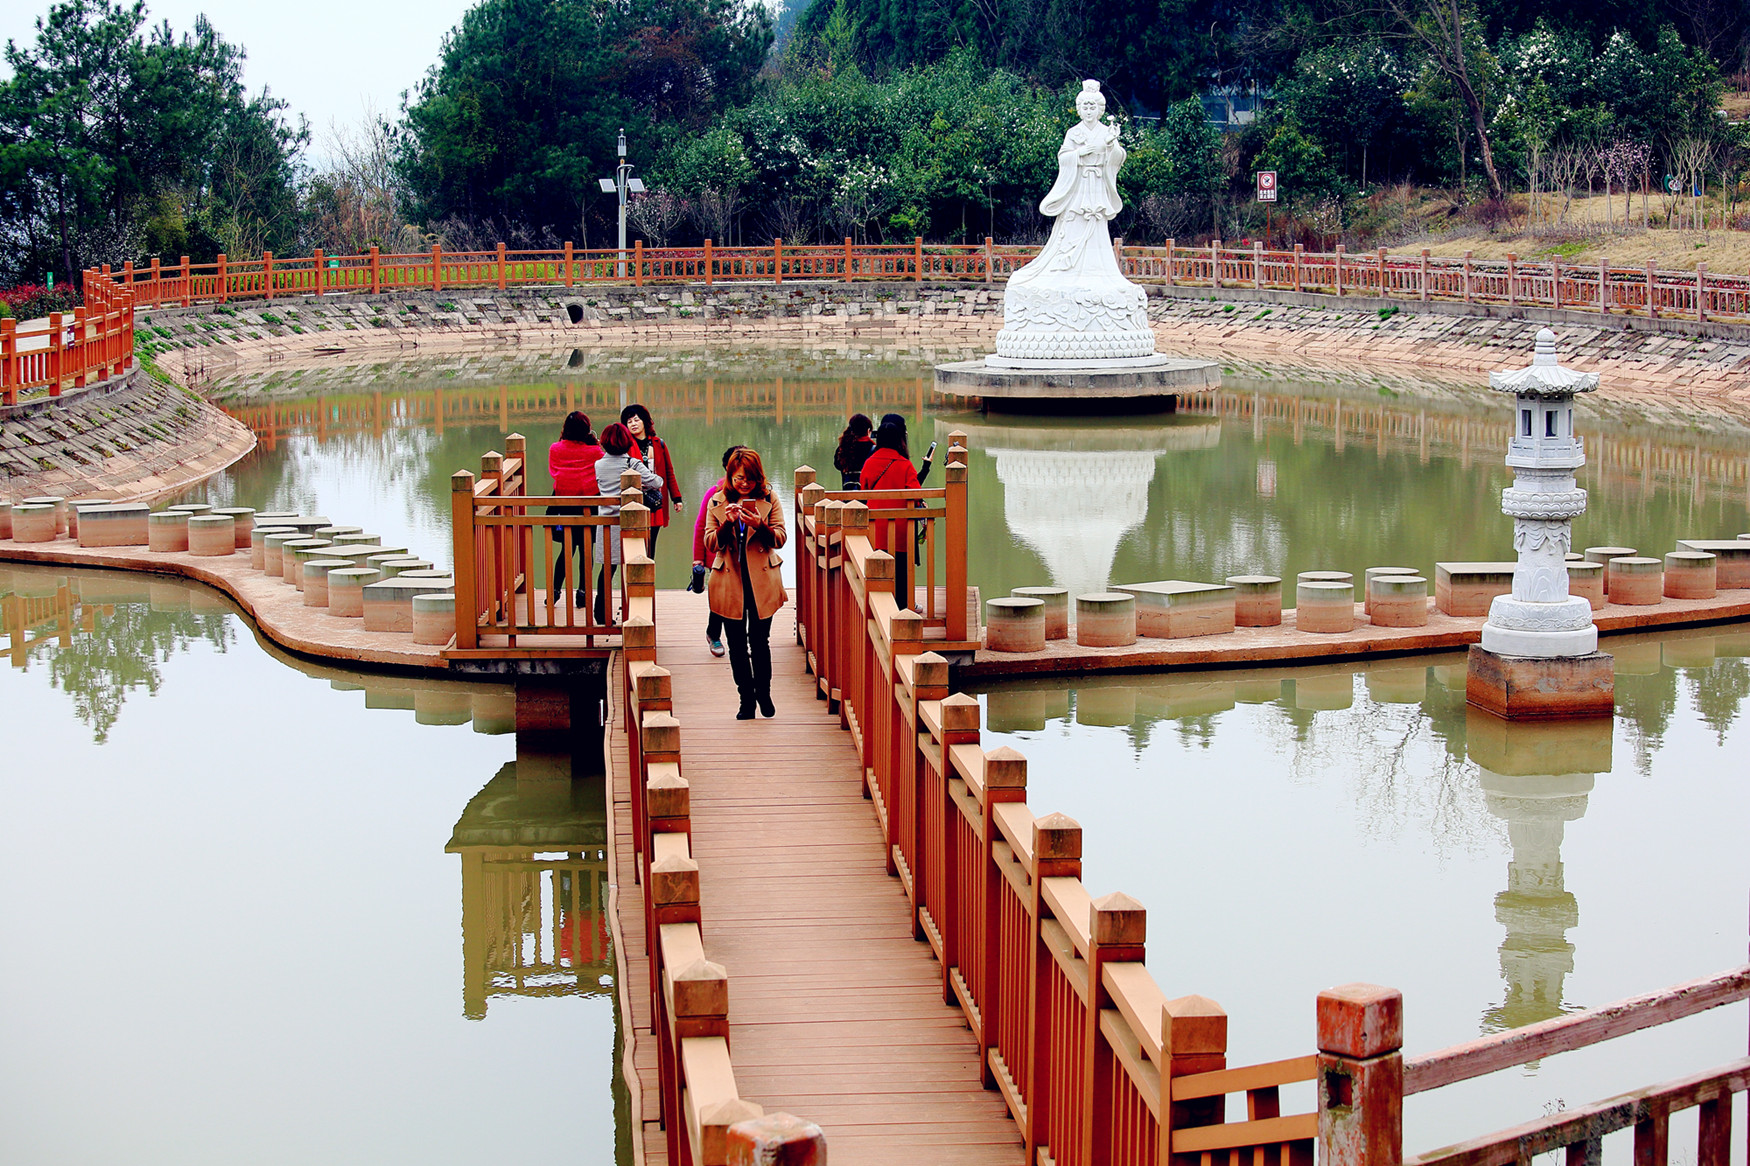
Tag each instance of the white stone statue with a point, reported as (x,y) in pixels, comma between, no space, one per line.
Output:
(1071,306)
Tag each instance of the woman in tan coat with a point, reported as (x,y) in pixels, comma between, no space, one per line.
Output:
(743,530)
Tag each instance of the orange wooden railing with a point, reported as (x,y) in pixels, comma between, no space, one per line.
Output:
(70,349)
(506,545)
(1595,287)
(1095,1063)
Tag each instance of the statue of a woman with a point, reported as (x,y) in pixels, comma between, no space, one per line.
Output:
(1071,304)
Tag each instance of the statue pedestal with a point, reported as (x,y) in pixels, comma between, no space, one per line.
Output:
(1527,688)
(1149,384)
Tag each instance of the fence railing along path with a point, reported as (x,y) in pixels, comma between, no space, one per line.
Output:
(1095,1063)
(1581,287)
(70,349)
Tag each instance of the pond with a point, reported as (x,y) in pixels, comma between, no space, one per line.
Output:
(1293,829)
(1274,475)
(262,910)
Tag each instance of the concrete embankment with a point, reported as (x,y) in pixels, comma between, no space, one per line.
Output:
(130,438)
(1703,363)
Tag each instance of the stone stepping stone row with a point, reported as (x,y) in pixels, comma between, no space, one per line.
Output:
(351,574)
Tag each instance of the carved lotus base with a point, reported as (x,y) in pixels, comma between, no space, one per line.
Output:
(1525,688)
(1079,319)
(1518,627)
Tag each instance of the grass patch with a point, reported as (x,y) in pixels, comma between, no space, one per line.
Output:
(1388,312)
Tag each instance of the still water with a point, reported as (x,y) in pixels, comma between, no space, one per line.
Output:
(267,911)
(1272,476)
(1293,829)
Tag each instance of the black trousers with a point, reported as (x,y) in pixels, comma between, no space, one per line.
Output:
(750,652)
(714,627)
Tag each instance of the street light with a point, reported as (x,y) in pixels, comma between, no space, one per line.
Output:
(621,185)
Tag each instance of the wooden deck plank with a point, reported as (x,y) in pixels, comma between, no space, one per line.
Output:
(836,1013)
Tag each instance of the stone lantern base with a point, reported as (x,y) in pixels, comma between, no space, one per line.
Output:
(1535,688)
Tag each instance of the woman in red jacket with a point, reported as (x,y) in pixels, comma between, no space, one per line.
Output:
(653,452)
(714,624)
(571,460)
(889,468)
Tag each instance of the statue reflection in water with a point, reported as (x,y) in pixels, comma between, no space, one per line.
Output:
(1073,489)
(534,883)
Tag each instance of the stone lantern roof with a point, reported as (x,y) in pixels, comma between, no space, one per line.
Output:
(1545,380)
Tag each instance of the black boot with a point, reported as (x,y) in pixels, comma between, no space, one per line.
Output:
(745,712)
(767,708)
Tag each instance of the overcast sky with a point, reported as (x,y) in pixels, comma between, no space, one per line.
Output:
(332,59)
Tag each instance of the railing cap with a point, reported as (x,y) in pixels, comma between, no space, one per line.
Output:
(1360,1020)
(908,626)
(1118,919)
(461,482)
(1057,836)
(700,989)
(1004,767)
(879,566)
(1193,1026)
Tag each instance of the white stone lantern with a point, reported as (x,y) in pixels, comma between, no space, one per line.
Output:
(1540,619)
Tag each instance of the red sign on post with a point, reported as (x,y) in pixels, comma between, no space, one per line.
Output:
(1266,185)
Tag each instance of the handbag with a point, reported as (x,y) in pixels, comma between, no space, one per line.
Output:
(652,498)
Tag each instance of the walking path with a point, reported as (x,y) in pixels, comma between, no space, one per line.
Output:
(836,1013)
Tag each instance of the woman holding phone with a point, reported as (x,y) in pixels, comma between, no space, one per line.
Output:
(889,468)
(743,530)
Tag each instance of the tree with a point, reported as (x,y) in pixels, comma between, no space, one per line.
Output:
(1448,31)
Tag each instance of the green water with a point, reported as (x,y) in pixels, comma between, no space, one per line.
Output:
(260,910)
(1286,832)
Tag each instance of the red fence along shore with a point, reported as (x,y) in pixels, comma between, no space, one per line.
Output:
(89,343)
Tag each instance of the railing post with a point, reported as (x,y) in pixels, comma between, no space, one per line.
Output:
(267,272)
(1117,926)
(917,262)
(569,275)
(9,361)
(1512,279)
(1057,853)
(1339,254)
(187,283)
(1381,269)
(1603,287)
(1193,1040)
(989,259)
(501,267)
(1170,242)
(775,1138)
(57,337)
(1652,300)
(955,472)
(708,263)
(1299,257)
(777,261)
(1361,1076)
(1257,264)
(1215,263)
(80,344)
(1701,293)
(1467,273)
(638,263)
(157,282)
(465,572)
(1555,282)
(1424,275)
(317,261)
(437,267)
(224,279)
(376,270)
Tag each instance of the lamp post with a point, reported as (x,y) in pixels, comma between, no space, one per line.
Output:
(621,185)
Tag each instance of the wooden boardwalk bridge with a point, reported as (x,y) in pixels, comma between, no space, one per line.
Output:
(850,914)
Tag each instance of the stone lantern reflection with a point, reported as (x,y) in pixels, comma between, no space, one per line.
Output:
(1539,654)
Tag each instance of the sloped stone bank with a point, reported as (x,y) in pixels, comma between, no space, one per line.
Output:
(130,438)
(1709,363)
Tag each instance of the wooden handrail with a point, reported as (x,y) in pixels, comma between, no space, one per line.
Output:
(1561,1034)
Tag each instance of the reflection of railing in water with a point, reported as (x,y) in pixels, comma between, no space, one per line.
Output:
(534,888)
(1612,459)
(374,412)
(21,614)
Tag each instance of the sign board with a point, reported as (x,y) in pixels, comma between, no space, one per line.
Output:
(1671,184)
(1266,185)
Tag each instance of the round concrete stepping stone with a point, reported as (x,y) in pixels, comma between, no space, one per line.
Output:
(1014,624)
(258,544)
(1399,601)
(1691,575)
(1604,555)
(192,507)
(1257,600)
(1056,601)
(1369,575)
(272,551)
(316,579)
(167,530)
(243,522)
(307,523)
(63,513)
(423,573)
(1326,606)
(212,535)
(358,538)
(295,554)
(346,586)
(434,617)
(330,532)
(33,522)
(1635,580)
(1105,619)
(393,565)
(1325,577)
(1587,581)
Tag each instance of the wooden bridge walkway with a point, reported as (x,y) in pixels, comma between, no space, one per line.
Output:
(835,1011)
